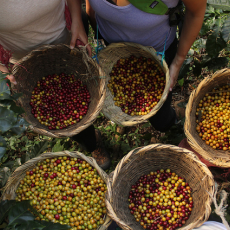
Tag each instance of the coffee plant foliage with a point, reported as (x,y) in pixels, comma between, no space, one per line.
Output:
(211,50)
(10,121)
(20,216)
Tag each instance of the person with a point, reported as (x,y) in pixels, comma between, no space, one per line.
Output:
(26,25)
(31,24)
(120,21)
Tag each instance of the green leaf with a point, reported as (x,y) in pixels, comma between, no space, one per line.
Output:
(23,224)
(206,58)
(5,96)
(190,53)
(2,151)
(54,226)
(20,126)
(217,63)
(218,25)
(181,82)
(73,148)
(215,43)
(114,127)
(4,88)
(226,29)
(25,157)
(7,119)
(9,164)
(16,109)
(5,206)
(2,146)
(39,148)
(210,9)
(197,69)
(19,212)
(220,4)
(183,71)
(17,95)
(125,147)
(211,22)
(199,44)
(205,28)
(146,125)
(147,136)
(6,102)
(108,128)
(58,146)
(3,75)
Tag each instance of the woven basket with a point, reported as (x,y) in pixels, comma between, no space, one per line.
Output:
(20,172)
(217,157)
(108,57)
(56,59)
(140,162)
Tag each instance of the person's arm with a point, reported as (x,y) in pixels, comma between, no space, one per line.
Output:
(77,28)
(194,16)
(91,14)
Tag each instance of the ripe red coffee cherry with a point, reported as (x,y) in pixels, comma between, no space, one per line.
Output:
(55,101)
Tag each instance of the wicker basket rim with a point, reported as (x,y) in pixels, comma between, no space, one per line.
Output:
(141,151)
(59,133)
(32,162)
(219,161)
(140,119)
(160,147)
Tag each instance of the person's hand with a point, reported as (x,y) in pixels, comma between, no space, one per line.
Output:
(174,70)
(79,37)
(12,79)
(4,70)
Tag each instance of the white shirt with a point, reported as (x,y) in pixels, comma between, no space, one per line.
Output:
(27,24)
(211,225)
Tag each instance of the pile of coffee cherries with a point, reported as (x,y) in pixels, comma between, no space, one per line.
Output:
(212,118)
(58,101)
(65,190)
(137,84)
(161,200)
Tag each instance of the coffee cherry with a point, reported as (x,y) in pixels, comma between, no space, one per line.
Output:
(61,194)
(212,118)
(59,101)
(137,85)
(160,203)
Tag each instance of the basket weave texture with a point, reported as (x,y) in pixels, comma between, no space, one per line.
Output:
(217,157)
(9,192)
(141,161)
(57,59)
(108,57)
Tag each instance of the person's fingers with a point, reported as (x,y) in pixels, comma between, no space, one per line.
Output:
(79,42)
(172,83)
(173,73)
(88,47)
(12,79)
(73,41)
